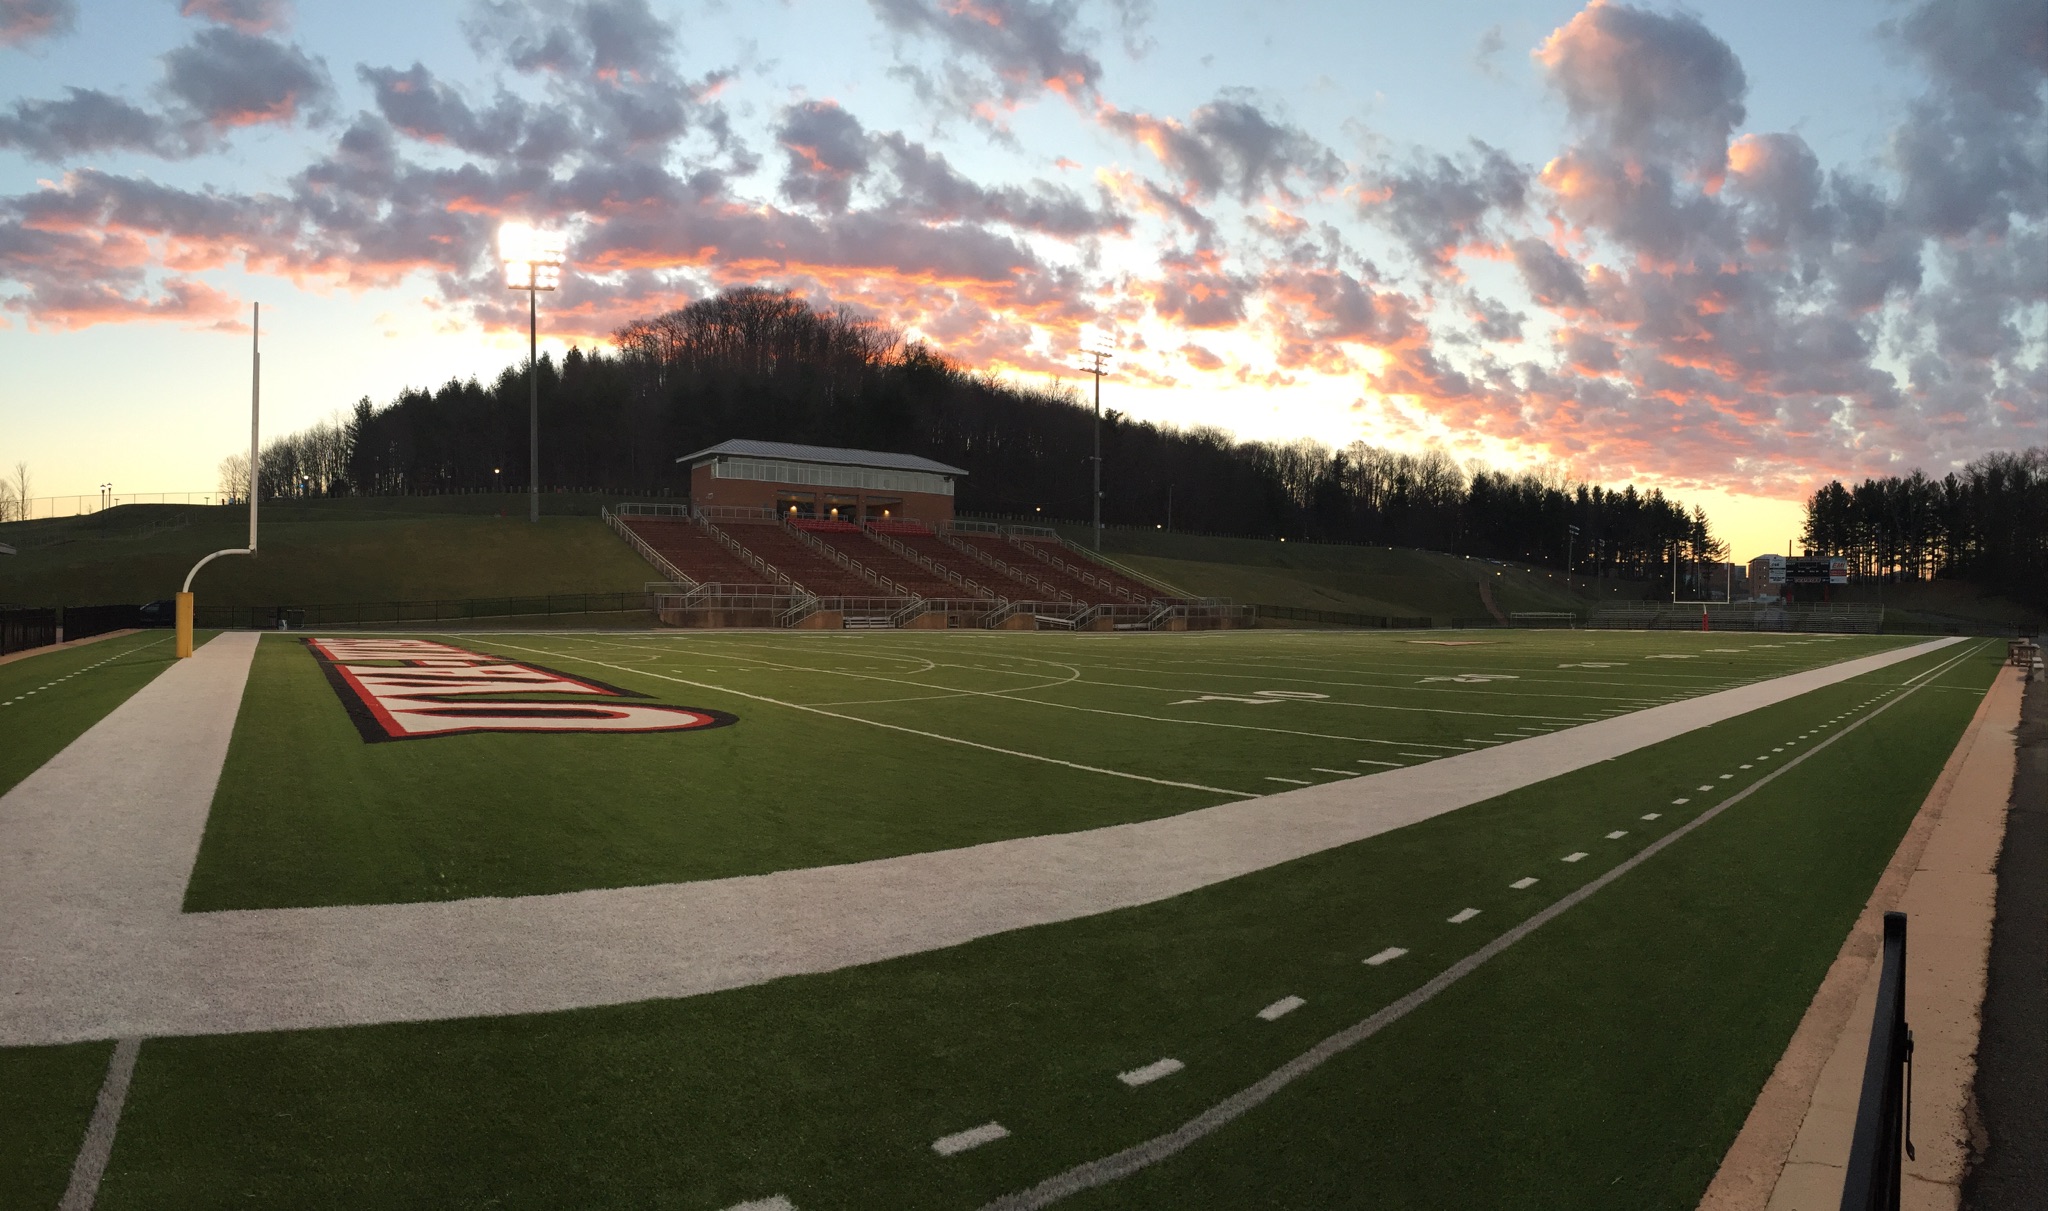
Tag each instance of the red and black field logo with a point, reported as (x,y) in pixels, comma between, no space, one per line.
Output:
(412,689)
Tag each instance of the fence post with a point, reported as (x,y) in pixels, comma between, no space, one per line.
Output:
(1884,1112)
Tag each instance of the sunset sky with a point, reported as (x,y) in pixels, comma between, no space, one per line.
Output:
(1728,251)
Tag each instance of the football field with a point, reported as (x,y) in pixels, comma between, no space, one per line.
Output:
(1268,918)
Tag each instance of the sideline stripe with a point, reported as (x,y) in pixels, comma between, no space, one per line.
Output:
(1117,1165)
(99,1133)
(1008,752)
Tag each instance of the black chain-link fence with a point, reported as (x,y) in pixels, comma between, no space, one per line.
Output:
(416,613)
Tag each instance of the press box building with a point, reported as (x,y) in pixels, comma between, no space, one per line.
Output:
(822,483)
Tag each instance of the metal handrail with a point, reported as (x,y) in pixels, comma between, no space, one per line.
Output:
(1150,582)
(844,560)
(641,545)
(1081,574)
(1884,1112)
(631,509)
(747,557)
(1053,592)
(891,543)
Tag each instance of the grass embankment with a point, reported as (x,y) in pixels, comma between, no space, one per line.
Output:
(1605,1061)
(1944,607)
(50,699)
(423,548)
(1391,581)
(787,787)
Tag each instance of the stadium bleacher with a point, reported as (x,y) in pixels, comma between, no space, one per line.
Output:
(695,551)
(920,539)
(819,574)
(852,541)
(1115,588)
(1103,590)
(1021,582)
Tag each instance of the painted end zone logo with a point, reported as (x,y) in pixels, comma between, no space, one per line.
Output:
(411,689)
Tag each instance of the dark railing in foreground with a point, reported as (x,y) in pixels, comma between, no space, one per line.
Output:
(83,622)
(1884,1114)
(21,629)
(402,613)
(24,627)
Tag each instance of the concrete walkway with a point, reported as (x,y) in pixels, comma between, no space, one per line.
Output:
(1792,1150)
(99,842)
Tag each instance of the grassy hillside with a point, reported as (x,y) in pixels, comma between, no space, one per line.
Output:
(1939,606)
(1363,580)
(454,547)
(316,552)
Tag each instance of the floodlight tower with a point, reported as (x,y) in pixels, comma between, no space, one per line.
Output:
(533,263)
(1097,348)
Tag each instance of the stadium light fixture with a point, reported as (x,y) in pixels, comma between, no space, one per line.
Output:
(533,263)
(1097,348)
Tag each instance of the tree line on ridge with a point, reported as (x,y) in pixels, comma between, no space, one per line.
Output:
(764,364)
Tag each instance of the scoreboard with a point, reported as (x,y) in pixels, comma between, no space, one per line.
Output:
(1812,569)
(1821,570)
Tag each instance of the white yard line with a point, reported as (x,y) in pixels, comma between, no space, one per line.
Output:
(1104,1170)
(1012,696)
(1281,1008)
(973,1137)
(95,849)
(1151,1072)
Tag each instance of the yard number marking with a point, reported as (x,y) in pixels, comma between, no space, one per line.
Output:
(413,689)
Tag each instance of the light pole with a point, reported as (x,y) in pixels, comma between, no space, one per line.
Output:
(106,490)
(1096,350)
(1571,538)
(533,263)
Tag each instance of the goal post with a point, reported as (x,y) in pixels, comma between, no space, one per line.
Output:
(184,599)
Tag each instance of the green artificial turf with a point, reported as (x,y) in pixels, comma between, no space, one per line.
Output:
(1606,1060)
(50,699)
(520,814)
(46,1099)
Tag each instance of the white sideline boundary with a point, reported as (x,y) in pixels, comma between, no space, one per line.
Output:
(96,846)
